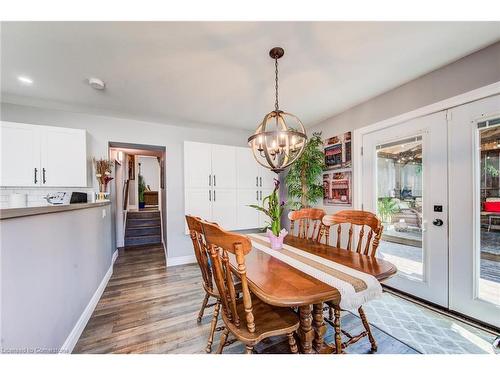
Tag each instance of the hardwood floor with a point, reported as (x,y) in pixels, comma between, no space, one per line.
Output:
(148,308)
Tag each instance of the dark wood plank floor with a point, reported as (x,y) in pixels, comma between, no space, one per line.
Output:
(148,308)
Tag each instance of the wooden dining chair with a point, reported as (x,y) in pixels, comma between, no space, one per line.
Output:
(358,231)
(309,223)
(248,318)
(202,258)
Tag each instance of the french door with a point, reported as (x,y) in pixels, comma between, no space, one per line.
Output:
(404,173)
(474,218)
(435,183)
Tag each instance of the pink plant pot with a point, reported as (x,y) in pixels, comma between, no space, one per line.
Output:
(276,241)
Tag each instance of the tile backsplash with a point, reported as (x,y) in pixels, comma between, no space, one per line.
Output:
(35,195)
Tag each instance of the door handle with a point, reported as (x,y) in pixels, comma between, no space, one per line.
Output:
(215,184)
(36,173)
(214,196)
(260,181)
(437,222)
(210,195)
(257,194)
(261,195)
(209,180)
(43,176)
(257,181)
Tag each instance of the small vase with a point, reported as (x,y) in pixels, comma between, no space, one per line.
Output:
(276,241)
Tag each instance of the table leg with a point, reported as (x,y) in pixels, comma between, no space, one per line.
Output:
(306,332)
(319,326)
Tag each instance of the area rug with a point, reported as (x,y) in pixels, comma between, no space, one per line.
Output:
(426,330)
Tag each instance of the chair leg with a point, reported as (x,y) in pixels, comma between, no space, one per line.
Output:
(223,339)
(203,305)
(338,335)
(248,349)
(367,328)
(330,313)
(213,326)
(293,344)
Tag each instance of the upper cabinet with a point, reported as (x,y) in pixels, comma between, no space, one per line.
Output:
(35,155)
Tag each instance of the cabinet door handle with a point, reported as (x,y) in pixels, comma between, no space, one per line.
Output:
(215,183)
(36,174)
(43,176)
(257,181)
(260,181)
(210,195)
(214,196)
(261,195)
(257,194)
(209,180)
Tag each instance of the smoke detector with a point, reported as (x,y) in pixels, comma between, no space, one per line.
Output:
(97,83)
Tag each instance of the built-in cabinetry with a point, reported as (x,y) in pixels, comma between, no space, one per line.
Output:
(35,155)
(221,181)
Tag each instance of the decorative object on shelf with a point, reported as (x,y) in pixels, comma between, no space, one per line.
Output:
(103,174)
(274,211)
(303,178)
(281,137)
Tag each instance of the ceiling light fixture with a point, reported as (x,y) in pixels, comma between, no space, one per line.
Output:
(281,137)
(97,83)
(25,80)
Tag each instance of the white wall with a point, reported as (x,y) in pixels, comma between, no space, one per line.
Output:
(150,171)
(102,130)
(471,72)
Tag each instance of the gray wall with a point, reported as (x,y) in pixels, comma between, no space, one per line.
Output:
(51,265)
(103,129)
(471,72)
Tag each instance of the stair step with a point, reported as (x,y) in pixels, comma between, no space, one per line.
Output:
(143,214)
(142,240)
(143,231)
(133,223)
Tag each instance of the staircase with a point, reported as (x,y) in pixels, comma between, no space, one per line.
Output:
(143,228)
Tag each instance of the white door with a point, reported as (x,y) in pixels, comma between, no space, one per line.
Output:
(247,217)
(197,165)
(247,169)
(404,169)
(20,154)
(224,166)
(198,202)
(63,157)
(474,224)
(224,210)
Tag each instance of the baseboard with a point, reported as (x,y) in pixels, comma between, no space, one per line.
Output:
(77,330)
(177,261)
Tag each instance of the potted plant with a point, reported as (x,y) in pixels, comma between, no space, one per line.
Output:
(304,176)
(142,189)
(387,207)
(272,207)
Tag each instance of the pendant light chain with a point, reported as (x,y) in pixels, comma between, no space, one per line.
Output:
(276,106)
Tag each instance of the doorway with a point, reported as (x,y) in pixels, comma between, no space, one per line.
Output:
(139,194)
(435,183)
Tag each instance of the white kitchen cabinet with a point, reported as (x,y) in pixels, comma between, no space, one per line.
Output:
(20,154)
(36,155)
(64,157)
(221,181)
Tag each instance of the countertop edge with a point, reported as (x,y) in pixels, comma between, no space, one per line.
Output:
(12,213)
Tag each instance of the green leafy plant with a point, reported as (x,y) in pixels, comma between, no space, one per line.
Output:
(142,188)
(273,209)
(303,178)
(387,207)
(491,170)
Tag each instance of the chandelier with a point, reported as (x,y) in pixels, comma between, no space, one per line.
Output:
(280,138)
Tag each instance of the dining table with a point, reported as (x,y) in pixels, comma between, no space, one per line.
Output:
(280,284)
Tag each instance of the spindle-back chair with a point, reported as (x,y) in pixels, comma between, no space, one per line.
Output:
(369,230)
(309,223)
(249,319)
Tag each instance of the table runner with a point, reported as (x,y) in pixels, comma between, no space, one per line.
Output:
(355,287)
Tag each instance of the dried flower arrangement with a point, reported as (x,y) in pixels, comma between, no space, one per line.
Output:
(103,173)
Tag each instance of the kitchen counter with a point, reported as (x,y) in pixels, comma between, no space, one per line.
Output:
(10,213)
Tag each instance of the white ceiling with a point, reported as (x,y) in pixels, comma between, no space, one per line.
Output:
(219,73)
